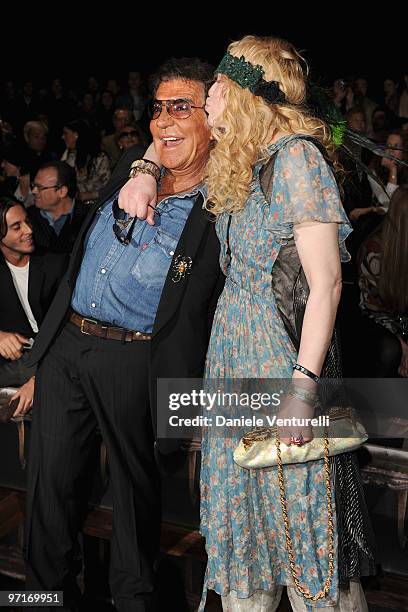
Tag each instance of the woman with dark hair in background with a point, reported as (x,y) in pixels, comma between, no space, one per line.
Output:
(83,153)
(383,280)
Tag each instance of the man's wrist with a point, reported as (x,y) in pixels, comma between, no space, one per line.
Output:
(145,166)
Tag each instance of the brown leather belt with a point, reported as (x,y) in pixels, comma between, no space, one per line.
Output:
(90,327)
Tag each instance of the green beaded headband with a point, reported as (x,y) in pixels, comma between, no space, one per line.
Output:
(250,76)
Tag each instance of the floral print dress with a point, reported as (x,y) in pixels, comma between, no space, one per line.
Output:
(241,515)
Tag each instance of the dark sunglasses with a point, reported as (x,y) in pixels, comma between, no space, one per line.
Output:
(123,222)
(179,109)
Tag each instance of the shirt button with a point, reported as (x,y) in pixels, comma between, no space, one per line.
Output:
(171,253)
(103,271)
(93,305)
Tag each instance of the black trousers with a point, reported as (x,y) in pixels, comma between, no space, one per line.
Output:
(85,382)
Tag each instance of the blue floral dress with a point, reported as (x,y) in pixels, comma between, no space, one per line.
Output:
(241,515)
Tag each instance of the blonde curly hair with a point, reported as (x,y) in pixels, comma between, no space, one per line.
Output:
(248,123)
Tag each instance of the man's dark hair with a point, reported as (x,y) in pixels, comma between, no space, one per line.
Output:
(187,68)
(66,176)
(6,203)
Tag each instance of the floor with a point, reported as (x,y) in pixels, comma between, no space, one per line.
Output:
(386,593)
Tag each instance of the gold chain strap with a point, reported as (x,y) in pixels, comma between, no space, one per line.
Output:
(305,592)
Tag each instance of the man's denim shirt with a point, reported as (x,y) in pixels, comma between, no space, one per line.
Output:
(121,285)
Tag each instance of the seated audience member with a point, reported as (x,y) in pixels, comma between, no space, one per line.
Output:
(383,280)
(391,97)
(356,120)
(16,181)
(113,86)
(403,102)
(131,135)
(57,215)
(362,101)
(135,98)
(390,174)
(7,136)
(8,97)
(388,171)
(27,104)
(28,282)
(104,113)
(59,106)
(110,144)
(93,87)
(37,152)
(83,153)
(87,111)
(381,121)
(343,96)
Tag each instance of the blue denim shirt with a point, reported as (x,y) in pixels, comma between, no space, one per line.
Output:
(122,285)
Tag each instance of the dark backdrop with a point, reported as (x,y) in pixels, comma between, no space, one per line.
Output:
(113,38)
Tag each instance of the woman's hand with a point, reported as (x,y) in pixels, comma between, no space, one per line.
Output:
(138,197)
(25,394)
(295,409)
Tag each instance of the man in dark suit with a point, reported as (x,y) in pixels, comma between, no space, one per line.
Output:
(57,215)
(135,305)
(28,284)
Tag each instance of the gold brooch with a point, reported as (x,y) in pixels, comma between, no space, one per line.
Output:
(180,268)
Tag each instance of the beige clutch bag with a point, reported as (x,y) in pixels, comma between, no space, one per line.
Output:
(257,449)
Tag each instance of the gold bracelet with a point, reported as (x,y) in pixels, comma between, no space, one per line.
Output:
(134,171)
(145,166)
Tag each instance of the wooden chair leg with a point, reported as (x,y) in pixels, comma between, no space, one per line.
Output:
(402,508)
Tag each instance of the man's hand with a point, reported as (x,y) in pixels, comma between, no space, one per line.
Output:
(138,197)
(11,344)
(25,394)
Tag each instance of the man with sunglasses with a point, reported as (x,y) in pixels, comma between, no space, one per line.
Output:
(57,215)
(136,305)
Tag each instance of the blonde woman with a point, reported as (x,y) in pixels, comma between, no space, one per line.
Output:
(256,112)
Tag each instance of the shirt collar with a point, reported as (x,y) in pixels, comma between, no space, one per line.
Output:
(199,188)
(50,218)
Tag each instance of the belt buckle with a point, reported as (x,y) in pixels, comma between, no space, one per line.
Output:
(84,319)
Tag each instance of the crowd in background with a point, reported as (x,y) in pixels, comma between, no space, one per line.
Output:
(89,128)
